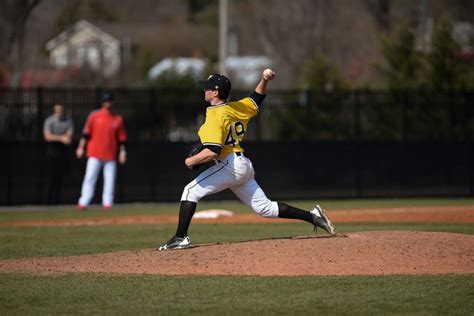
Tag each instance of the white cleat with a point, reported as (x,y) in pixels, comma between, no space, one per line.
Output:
(320,219)
(176,243)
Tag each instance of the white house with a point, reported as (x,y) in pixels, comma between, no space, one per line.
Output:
(244,71)
(463,34)
(247,70)
(181,66)
(85,45)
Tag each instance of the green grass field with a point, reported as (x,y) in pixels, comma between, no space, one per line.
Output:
(22,293)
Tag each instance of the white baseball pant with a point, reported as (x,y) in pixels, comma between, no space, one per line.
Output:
(92,172)
(235,173)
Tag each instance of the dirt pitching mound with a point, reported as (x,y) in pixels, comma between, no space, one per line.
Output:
(364,253)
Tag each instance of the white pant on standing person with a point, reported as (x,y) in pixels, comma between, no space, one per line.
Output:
(93,168)
(233,172)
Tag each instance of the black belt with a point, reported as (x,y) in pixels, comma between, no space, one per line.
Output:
(236,153)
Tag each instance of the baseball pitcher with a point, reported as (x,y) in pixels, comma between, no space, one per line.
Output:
(221,136)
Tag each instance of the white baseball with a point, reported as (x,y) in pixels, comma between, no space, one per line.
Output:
(268,74)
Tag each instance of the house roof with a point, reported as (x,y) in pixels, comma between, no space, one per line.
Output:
(81,25)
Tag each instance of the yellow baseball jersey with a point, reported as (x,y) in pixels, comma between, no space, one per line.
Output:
(225,125)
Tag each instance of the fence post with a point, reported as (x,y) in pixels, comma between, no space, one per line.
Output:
(258,127)
(357,144)
(471,167)
(39,113)
(356,114)
(466,112)
(452,116)
(40,189)
(120,183)
(404,115)
(467,137)
(152,105)
(9,189)
(97,93)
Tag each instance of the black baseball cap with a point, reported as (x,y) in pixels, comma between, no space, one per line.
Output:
(106,97)
(216,82)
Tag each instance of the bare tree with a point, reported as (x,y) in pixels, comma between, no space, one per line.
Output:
(294,32)
(380,9)
(13,17)
(290,32)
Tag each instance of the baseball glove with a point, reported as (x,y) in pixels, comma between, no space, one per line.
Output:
(195,149)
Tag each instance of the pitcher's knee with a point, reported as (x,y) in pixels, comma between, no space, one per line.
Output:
(265,208)
(191,193)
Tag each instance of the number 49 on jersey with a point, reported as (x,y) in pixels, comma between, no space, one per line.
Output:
(236,129)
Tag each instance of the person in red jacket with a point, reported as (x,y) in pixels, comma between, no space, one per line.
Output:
(105,136)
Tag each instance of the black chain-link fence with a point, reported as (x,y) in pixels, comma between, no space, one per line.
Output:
(303,144)
(156,115)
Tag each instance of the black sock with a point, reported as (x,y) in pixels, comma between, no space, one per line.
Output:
(186,212)
(288,211)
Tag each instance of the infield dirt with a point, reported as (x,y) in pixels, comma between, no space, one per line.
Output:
(361,253)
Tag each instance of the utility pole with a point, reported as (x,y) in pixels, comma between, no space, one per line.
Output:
(424,26)
(223,26)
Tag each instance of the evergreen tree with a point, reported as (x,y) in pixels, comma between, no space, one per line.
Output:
(322,75)
(320,114)
(403,63)
(445,69)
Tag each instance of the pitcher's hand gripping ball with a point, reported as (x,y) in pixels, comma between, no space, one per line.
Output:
(268,74)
